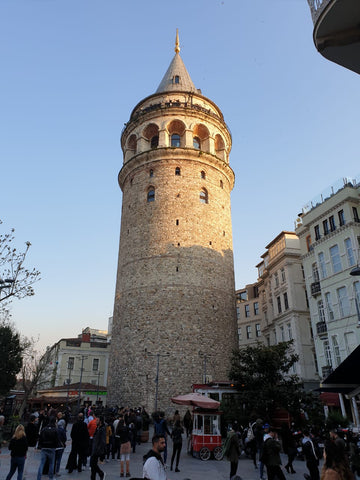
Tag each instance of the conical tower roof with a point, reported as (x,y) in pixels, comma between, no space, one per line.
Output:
(176,77)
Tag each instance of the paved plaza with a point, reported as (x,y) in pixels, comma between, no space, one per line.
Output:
(190,468)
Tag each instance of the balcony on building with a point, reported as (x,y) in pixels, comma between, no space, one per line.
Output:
(315,289)
(337,31)
(321,328)
(325,371)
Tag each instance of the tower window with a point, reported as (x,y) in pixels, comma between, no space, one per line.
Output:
(175,140)
(151,195)
(154,141)
(177,222)
(204,196)
(176,79)
(196,142)
(151,173)
(177,171)
(221,184)
(202,174)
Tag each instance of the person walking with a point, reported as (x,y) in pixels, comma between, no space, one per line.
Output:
(61,425)
(124,435)
(18,446)
(311,456)
(79,445)
(48,441)
(154,466)
(336,464)
(289,446)
(98,448)
(161,428)
(271,455)
(176,436)
(232,450)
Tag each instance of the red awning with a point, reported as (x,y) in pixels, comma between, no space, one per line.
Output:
(331,399)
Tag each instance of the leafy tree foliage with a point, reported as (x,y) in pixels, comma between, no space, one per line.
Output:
(262,375)
(16,281)
(11,349)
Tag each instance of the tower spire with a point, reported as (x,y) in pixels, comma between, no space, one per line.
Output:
(177,43)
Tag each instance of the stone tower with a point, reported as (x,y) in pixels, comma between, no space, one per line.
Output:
(174,311)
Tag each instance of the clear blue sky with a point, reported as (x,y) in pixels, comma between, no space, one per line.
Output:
(71,72)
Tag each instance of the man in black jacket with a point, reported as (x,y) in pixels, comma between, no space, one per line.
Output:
(79,445)
(48,441)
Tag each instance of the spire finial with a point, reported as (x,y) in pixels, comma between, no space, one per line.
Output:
(177,43)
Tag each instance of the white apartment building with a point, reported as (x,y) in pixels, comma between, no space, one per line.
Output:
(82,359)
(283,303)
(329,233)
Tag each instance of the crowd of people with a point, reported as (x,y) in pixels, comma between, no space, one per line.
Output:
(264,443)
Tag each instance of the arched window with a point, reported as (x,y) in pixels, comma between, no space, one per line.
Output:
(203,175)
(175,140)
(151,173)
(204,196)
(176,79)
(196,142)
(151,195)
(154,141)
(177,171)
(221,184)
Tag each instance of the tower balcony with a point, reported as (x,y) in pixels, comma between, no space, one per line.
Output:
(337,31)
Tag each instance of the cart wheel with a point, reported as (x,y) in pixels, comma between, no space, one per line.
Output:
(204,453)
(218,453)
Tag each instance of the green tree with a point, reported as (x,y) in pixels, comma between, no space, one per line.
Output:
(16,281)
(262,375)
(11,349)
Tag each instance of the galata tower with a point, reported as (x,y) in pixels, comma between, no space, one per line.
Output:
(174,321)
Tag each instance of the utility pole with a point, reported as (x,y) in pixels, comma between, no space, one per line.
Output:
(81,373)
(70,367)
(157,355)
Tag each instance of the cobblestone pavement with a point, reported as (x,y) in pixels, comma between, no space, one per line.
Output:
(190,468)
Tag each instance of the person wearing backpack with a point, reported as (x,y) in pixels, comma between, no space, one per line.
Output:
(176,436)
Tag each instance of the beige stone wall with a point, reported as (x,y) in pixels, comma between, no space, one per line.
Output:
(175,292)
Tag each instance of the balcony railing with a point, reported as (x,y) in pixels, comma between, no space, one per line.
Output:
(316,7)
(325,371)
(321,328)
(315,289)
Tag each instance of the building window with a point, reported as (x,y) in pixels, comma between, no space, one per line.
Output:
(315,272)
(349,252)
(336,350)
(154,142)
(289,329)
(248,332)
(335,259)
(276,276)
(308,243)
(203,174)
(326,227)
(95,364)
(341,217)
(344,305)
(151,195)
(247,310)
(350,342)
(239,333)
(177,171)
(71,362)
(204,196)
(355,214)
(282,334)
(322,265)
(321,311)
(357,298)
(242,296)
(327,353)
(286,301)
(256,308)
(176,79)
(283,277)
(278,299)
(151,173)
(258,330)
(329,307)
(332,223)
(238,311)
(317,232)
(196,143)
(175,140)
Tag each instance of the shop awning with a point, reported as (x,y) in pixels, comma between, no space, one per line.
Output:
(346,377)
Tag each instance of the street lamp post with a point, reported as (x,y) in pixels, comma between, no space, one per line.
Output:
(70,367)
(157,355)
(81,373)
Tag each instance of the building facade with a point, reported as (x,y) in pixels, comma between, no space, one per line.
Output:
(329,232)
(175,292)
(82,359)
(249,318)
(283,303)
